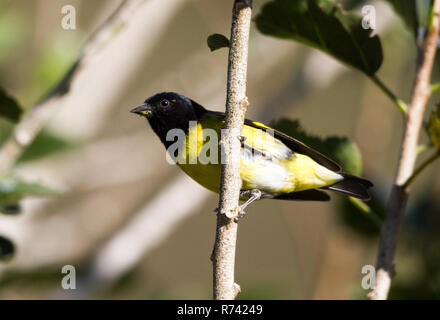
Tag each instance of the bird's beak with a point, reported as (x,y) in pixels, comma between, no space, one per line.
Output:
(143,110)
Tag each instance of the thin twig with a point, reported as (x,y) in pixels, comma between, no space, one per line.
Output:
(399,193)
(422,167)
(399,103)
(236,104)
(28,128)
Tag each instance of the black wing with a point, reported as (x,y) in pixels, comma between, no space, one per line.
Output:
(298,146)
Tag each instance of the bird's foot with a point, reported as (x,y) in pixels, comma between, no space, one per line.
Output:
(254,195)
(241,213)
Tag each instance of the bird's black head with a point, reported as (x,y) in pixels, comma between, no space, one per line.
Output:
(169,110)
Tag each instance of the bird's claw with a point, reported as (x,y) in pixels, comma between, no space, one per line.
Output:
(241,214)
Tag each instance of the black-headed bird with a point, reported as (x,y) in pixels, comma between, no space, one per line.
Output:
(272,164)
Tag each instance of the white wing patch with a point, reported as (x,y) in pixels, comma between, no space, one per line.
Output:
(258,172)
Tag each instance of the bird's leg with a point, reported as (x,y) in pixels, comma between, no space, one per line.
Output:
(255,195)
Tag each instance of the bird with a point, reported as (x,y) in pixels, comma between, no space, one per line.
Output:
(273,165)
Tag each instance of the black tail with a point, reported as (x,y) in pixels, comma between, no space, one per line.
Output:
(307,195)
(352,186)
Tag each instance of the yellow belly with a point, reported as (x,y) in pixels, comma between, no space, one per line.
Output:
(207,175)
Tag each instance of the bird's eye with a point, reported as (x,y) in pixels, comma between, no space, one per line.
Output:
(164,103)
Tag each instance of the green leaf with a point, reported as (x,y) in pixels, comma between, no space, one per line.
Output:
(13,189)
(217,41)
(345,152)
(322,24)
(44,144)
(340,149)
(433,127)
(9,108)
(7,249)
(407,10)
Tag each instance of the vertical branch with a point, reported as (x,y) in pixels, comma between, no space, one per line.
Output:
(236,105)
(400,191)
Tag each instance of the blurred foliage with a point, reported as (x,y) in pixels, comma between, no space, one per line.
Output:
(9,41)
(9,108)
(322,24)
(13,189)
(54,60)
(57,58)
(365,219)
(6,249)
(45,143)
(423,12)
(260,291)
(433,127)
(217,41)
(10,209)
(345,152)
(421,246)
(340,149)
(420,238)
(418,267)
(407,10)
(352,4)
